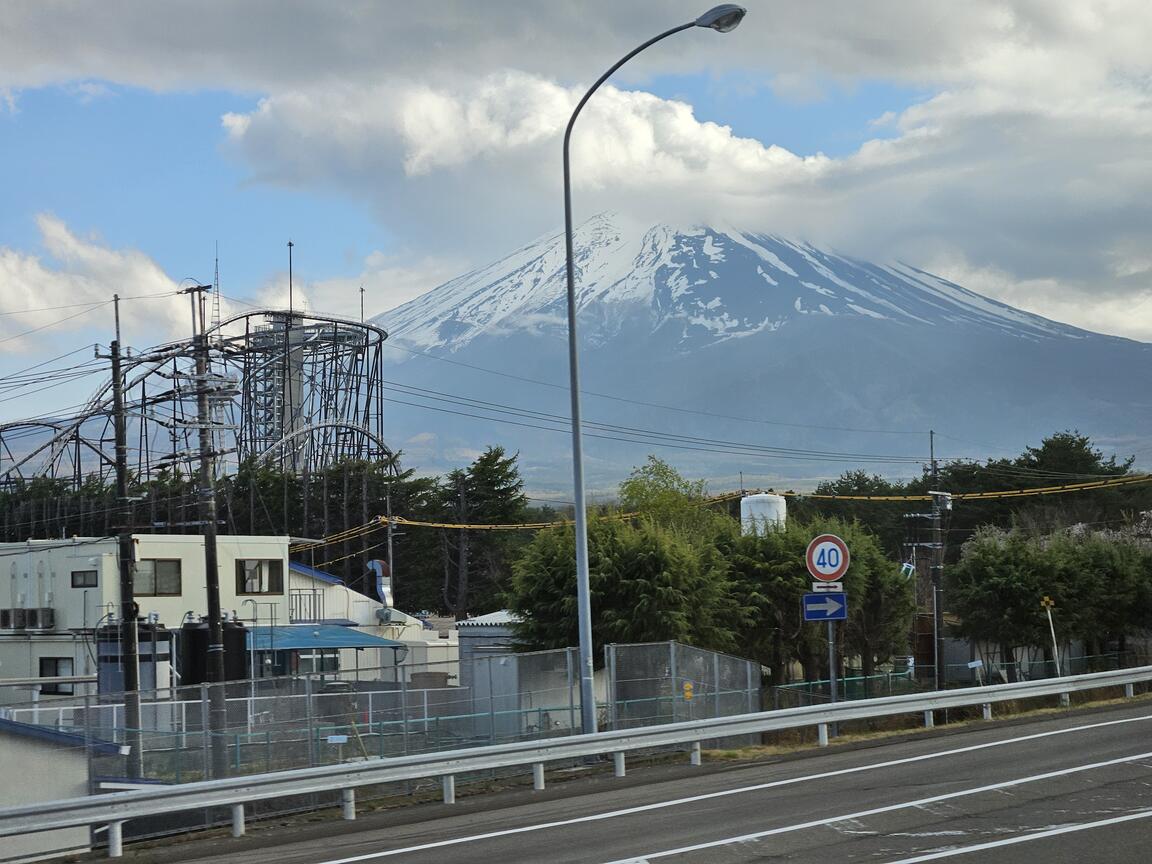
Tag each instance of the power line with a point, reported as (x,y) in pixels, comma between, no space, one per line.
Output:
(636,435)
(749,450)
(53,359)
(55,308)
(58,321)
(644,404)
(90,305)
(28,550)
(716,499)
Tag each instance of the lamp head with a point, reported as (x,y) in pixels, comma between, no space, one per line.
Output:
(723,18)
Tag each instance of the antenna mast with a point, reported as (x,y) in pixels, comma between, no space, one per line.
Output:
(290,245)
(216,295)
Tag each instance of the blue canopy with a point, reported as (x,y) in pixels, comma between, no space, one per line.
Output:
(295,637)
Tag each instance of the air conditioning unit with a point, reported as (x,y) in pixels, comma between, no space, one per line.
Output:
(12,619)
(43,618)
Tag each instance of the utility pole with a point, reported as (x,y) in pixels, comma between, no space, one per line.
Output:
(129,635)
(288,409)
(940,501)
(388,513)
(217,706)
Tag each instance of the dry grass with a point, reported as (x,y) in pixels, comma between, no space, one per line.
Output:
(1002,711)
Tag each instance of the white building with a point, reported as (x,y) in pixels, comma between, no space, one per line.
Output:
(54,594)
(59,762)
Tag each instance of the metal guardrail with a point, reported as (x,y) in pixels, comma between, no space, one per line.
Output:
(41,681)
(113,809)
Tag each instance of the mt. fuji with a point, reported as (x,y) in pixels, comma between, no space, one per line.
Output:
(742,351)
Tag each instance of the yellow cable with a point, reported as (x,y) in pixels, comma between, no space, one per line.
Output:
(382,521)
(358,531)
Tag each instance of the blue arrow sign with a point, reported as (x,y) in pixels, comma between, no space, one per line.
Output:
(825,606)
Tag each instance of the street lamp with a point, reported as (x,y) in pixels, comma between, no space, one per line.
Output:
(722,19)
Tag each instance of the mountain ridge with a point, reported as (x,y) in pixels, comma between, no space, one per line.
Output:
(726,322)
(716,283)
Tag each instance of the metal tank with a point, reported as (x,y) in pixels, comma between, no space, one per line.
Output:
(763,512)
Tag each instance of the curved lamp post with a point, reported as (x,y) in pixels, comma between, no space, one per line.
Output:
(722,19)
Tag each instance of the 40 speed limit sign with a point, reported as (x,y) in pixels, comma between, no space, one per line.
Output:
(827,558)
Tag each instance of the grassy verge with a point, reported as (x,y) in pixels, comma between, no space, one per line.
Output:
(798,740)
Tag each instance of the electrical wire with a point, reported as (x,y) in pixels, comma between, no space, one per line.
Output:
(729,496)
(55,323)
(657,405)
(349,534)
(53,359)
(28,550)
(614,432)
(90,305)
(321,564)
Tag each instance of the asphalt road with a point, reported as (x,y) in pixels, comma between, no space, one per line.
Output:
(1068,788)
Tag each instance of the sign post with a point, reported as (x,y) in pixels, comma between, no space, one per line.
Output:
(1047,602)
(827,560)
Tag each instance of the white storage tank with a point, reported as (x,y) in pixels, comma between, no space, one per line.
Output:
(762,512)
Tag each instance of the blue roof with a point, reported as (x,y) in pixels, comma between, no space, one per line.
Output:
(295,637)
(55,736)
(314,573)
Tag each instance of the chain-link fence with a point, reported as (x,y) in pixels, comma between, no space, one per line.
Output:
(919,679)
(666,682)
(804,693)
(183,734)
(991,670)
(188,733)
(274,724)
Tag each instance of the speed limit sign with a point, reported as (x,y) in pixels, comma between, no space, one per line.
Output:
(827,558)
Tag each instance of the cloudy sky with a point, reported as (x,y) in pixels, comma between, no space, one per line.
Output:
(1006,145)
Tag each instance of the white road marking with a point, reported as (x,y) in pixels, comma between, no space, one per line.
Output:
(1025,838)
(875,811)
(643,808)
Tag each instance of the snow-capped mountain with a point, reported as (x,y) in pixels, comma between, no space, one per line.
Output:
(704,284)
(742,351)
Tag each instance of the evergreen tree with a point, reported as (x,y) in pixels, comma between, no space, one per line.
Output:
(996,589)
(646,585)
(476,562)
(772,575)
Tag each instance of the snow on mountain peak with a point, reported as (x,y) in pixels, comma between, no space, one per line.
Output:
(701,284)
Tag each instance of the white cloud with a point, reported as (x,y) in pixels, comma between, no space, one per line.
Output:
(87,92)
(1028,159)
(278,45)
(69,288)
(1082,305)
(419,152)
(81,270)
(388,280)
(1040,188)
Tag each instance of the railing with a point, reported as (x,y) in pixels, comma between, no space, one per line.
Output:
(114,809)
(852,687)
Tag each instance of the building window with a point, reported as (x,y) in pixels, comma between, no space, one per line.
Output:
(158,577)
(56,667)
(318,660)
(84,579)
(260,576)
